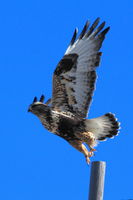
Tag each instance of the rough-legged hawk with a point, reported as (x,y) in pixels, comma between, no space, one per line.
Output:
(73,86)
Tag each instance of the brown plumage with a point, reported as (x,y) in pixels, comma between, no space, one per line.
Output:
(73,87)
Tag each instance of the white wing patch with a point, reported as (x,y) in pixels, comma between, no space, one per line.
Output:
(76,71)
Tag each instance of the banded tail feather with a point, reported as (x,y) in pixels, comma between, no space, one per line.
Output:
(103,127)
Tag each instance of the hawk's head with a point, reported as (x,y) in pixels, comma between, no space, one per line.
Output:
(38,107)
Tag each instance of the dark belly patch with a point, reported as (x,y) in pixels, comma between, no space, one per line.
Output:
(67,128)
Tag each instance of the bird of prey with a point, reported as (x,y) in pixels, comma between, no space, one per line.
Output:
(65,114)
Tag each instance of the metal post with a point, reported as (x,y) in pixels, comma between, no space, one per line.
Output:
(97,180)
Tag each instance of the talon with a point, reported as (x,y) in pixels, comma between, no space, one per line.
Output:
(92,149)
(91,153)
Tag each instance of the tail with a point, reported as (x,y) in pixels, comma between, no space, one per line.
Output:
(103,127)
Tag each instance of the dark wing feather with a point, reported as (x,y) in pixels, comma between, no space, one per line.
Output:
(93,26)
(60,99)
(74,78)
(74,37)
(84,30)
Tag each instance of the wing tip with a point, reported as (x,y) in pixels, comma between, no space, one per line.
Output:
(104,32)
(34,100)
(74,36)
(93,31)
(84,29)
(42,98)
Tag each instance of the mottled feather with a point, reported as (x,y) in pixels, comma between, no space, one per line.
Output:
(75,75)
(73,87)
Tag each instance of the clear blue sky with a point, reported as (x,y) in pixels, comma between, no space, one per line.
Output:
(34,164)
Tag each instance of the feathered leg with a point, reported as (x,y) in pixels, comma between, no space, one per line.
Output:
(91,142)
(81,147)
(89,139)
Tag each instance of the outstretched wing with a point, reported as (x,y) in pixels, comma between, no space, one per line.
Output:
(74,77)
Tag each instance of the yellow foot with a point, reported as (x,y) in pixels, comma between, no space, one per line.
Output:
(88,160)
(92,149)
(91,153)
